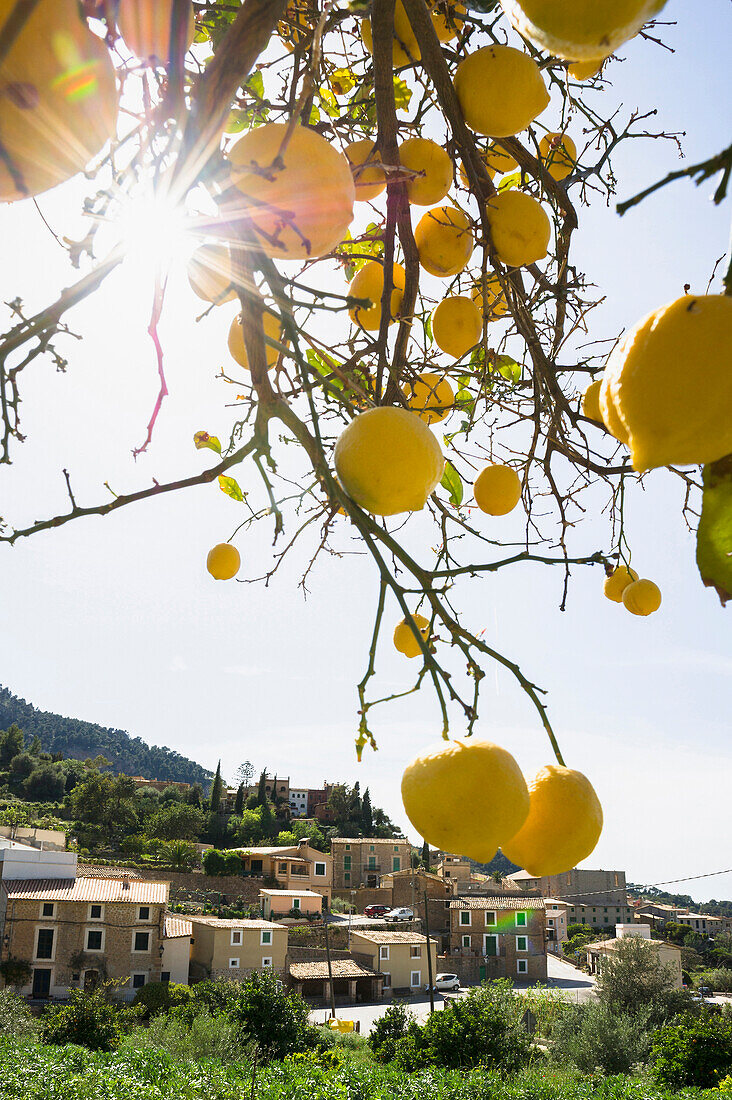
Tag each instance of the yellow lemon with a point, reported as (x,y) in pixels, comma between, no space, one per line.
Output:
(520,228)
(210,275)
(447,19)
(58,98)
(501,90)
(223,561)
(618,581)
(563,825)
(465,797)
(435,168)
(297,24)
(444,240)
(497,162)
(457,325)
(584,70)
(579,30)
(368,284)
(388,461)
(559,154)
(488,295)
(591,401)
(301,200)
(147,27)
(497,490)
(430,396)
(667,387)
(404,49)
(404,639)
(272,329)
(371,180)
(642,597)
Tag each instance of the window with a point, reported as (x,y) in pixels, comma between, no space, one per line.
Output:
(347,863)
(521,920)
(48,909)
(372,863)
(416,978)
(396,863)
(490,945)
(44,945)
(96,912)
(617,880)
(236,937)
(387,980)
(95,939)
(383,952)
(522,943)
(550,922)
(319,870)
(466,941)
(490,917)
(465,916)
(138,980)
(415,951)
(347,876)
(267,963)
(141,941)
(265,938)
(295,903)
(233,964)
(283,868)
(348,848)
(143,913)
(522,966)
(165,977)
(371,848)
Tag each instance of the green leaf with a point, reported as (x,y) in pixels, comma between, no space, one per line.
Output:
(329,103)
(452,481)
(464,401)
(402,94)
(203,439)
(324,364)
(369,245)
(714,536)
(508,368)
(255,84)
(314,115)
(427,326)
(230,486)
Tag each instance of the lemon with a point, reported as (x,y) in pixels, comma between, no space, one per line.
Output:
(301,205)
(563,825)
(404,49)
(584,70)
(430,396)
(667,387)
(559,154)
(58,98)
(430,159)
(444,240)
(465,797)
(488,295)
(520,228)
(371,180)
(388,461)
(497,490)
(223,561)
(272,329)
(642,597)
(210,274)
(497,162)
(501,90)
(404,639)
(368,283)
(591,401)
(447,19)
(579,30)
(146,27)
(618,581)
(457,325)
(296,25)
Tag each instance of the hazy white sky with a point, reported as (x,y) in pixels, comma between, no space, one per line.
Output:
(116,621)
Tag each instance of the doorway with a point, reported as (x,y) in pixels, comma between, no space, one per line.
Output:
(41,983)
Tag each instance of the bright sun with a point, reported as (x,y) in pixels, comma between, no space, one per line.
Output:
(155,233)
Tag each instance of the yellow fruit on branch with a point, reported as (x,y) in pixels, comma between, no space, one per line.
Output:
(388,461)
(272,326)
(58,99)
(667,387)
(210,275)
(444,241)
(300,198)
(488,295)
(223,561)
(405,50)
(430,396)
(563,826)
(466,797)
(457,325)
(147,26)
(580,30)
(584,70)
(591,401)
(642,597)
(368,285)
(559,154)
(497,162)
(297,24)
(618,581)
(435,168)
(447,19)
(497,490)
(370,180)
(404,639)
(501,90)
(520,228)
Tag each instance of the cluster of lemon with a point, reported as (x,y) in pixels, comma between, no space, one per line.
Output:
(470,797)
(637,595)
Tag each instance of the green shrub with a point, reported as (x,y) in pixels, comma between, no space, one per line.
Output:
(16,1019)
(593,1036)
(633,979)
(91,1021)
(16,972)
(694,1050)
(388,1031)
(719,980)
(156,997)
(203,1036)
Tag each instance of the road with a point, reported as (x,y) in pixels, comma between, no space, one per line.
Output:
(575,985)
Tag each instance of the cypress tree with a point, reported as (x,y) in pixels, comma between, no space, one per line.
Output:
(216,789)
(239,804)
(366,815)
(262,789)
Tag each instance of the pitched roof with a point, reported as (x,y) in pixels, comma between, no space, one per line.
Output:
(612,944)
(292,893)
(135,890)
(176,928)
(229,922)
(341,968)
(390,937)
(522,876)
(369,840)
(499,901)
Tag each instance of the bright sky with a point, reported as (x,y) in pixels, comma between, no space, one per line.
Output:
(116,620)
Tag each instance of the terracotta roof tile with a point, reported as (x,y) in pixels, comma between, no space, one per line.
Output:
(342,968)
(137,891)
(176,927)
(390,937)
(498,901)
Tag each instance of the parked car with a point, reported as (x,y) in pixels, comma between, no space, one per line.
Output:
(375,910)
(444,983)
(399,914)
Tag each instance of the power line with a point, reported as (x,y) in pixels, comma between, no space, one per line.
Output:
(645,886)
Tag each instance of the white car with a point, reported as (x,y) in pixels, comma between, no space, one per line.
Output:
(445,983)
(399,914)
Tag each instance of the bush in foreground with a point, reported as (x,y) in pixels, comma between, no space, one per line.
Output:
(91,1021)
(593,1036)
(16,1019)
(693,1051)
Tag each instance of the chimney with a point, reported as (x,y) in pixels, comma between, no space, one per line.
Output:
(304,842)
(125,884)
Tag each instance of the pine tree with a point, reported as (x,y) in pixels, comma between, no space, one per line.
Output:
(426,856)
(366,815)
(11,743)
(216,790)
(35,748)
(239,804)
(262,789)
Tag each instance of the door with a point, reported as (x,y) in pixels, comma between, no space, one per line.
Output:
(256,866)
(91,980)
(41,983)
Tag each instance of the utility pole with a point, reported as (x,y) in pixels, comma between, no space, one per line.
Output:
(429,953)
(330,972)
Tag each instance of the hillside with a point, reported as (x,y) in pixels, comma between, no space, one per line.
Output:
(79,739)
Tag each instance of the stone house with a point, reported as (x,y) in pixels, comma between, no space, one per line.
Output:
(507,932)
(669,954)
(234,949)
(408,889)
(362,861)
(177,940)
(556,924)
(286,903)
(595,897)
(294,867)
(401,957)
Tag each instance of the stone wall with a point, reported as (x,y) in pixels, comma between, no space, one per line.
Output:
(196,886)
